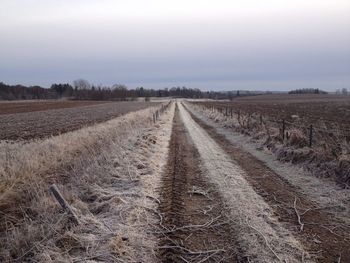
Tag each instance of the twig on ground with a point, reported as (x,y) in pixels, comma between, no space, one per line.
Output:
(330,230)
(298,215)
(193,252)
(266,241)
(206,258)
(198,191)
(185,260)
(153,198)
(154,211)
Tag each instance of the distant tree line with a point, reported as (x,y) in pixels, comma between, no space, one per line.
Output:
(20,92)
(83,90)
(343,91)
(307,91)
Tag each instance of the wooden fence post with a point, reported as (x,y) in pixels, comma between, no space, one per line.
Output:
(261,119)
(310,136)
(231,113)
(60,199)
(226,111)
(283,129)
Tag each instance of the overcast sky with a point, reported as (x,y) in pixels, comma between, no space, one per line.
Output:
(217,45)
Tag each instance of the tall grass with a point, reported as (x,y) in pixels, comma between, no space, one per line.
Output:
(88,165)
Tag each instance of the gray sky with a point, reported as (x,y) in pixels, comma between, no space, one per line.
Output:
(218,45)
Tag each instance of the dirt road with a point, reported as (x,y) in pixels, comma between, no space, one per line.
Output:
(195,227)
(210,212)
(219,203)
(312,224)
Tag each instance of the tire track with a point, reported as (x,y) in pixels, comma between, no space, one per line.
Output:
(194,226)
(261,237)
(314,227)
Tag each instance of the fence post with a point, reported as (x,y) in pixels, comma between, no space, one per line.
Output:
(283,129)
(60,199)
(231,113)
(239,115)
(261,119)
(226,111)
(310,137)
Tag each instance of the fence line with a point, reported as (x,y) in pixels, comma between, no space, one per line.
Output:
(156,115)
(324,120)
(310,129)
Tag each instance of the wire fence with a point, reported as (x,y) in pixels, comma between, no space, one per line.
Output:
(312,130)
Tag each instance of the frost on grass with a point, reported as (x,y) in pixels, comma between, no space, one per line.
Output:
(260,236)
(325,193)
(108,173)
(329,156)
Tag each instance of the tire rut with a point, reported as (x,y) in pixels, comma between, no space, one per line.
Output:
(321,234)
(194,228)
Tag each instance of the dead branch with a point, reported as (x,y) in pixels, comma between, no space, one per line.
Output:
(153,198)
(339,259)
(206,258)
(198,191)
(298,215)
(327,228)
(266,241)
(192,252)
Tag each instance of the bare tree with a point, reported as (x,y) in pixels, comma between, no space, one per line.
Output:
(82,89)
(81,84)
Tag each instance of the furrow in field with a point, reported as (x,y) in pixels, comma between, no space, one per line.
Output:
(54,121)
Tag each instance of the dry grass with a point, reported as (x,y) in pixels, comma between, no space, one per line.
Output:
(104,171)
(325,193)
(328,157)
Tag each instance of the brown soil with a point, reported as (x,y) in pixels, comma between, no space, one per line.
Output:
(194,225)
(30,106)
(46,123)
(322,235)
(323,112)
